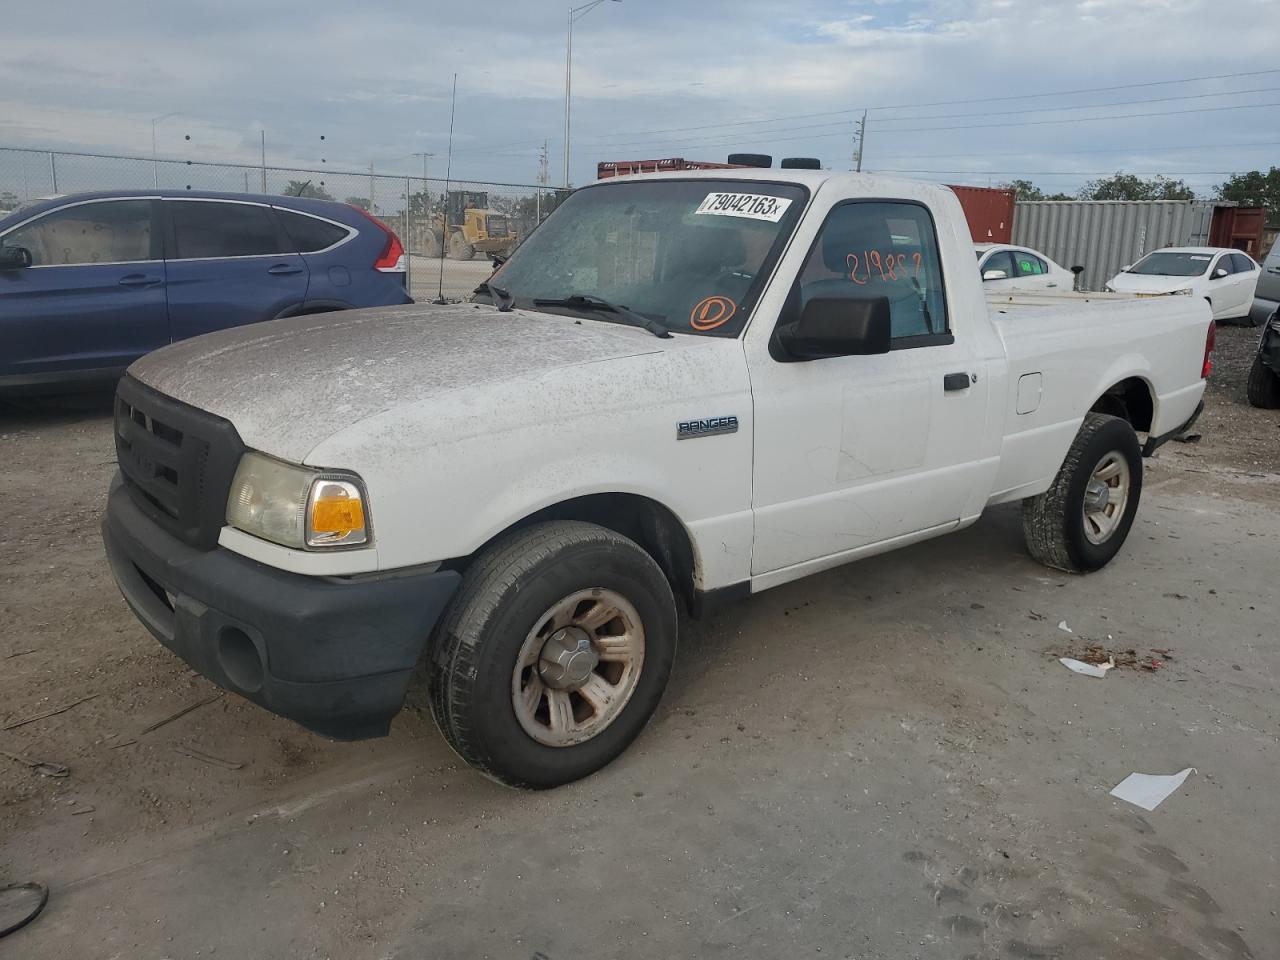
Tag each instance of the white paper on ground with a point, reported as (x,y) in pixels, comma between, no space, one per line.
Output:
(1148,791)
(1062,625)
(1088,669)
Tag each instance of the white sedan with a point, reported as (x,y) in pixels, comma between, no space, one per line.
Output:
(1004,267)
(1226,278)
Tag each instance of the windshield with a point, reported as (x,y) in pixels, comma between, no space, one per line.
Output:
(1168,264)
(692,255)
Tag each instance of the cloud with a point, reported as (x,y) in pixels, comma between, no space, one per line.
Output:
(375,82)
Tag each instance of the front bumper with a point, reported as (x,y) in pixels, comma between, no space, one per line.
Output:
(333,654)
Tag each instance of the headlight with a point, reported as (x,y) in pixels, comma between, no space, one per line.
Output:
(1109,288)
(1184,292)
(296,506)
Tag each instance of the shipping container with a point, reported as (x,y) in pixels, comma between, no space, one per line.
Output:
(1104,235)
(1240,228)
(989,211)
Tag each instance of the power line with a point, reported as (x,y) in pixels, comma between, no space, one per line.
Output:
(905,106)
(974,126)
(1180,146)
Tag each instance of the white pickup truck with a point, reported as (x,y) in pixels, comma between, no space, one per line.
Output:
(519,491)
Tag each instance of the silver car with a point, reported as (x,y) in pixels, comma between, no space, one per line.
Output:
(1267,297)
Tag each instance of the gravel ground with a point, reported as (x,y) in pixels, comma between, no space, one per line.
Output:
(882,761)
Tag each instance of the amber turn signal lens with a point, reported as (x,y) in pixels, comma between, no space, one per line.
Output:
(336,514)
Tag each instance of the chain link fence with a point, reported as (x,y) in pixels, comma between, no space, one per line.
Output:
(448,234)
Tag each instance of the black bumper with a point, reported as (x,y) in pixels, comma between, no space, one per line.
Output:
(333,654)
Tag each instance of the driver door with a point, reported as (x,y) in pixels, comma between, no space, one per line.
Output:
(859,450)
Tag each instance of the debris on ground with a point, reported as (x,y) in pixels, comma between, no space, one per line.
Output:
(1062,625)
(1147,790)
(1097,654)
(48,713)
(1088,669)
(208,758)
(20,903)
(1032,615)
(42,767)
(180,713)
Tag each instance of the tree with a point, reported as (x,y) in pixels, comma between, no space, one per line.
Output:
(307,188)
(1026,190)
(1130,186)
(361,202)
(1255,189)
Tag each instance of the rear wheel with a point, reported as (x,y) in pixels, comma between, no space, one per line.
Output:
(1082,520)
(554,654)
(1263,386)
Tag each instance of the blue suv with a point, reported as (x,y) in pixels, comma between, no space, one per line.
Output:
(91,282)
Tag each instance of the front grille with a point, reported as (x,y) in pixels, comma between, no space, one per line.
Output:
(177,461)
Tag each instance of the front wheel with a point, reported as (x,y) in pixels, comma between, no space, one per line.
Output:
(1082,520)
(553,655)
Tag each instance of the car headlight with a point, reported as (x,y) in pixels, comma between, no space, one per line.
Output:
(1184,292)
(1109,288)
(297,506)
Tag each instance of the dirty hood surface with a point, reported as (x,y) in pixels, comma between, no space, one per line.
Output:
(288,384)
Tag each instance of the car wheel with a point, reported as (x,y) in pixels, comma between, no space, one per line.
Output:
(1263,386)
(553,655)
(1082,520)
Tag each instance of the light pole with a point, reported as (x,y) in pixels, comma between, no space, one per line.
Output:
(155,162)
(575,13)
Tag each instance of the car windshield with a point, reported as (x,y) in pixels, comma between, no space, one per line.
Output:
(1170,264)
(692,255)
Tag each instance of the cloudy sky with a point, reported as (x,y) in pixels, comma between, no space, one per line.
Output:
(966,92)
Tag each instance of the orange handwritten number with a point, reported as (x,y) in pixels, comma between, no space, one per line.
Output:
(851,261)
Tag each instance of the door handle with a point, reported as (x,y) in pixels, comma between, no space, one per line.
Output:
(1051,284)
(955,381)
(139,280)
(281,269)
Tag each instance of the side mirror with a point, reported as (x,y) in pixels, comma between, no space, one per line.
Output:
(995,275)
(837,327)
(1126,268)
(1220,273)
(14,258)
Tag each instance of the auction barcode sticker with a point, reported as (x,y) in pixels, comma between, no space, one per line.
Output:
(756,206)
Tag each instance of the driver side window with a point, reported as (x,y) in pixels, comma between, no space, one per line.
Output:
(880,249)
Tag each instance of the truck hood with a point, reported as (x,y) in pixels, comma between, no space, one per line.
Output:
(288,384)
(1141,283)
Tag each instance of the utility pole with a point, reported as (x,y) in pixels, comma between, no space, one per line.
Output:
(544,178)
(861,141)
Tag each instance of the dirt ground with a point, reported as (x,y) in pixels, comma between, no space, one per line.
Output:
(884,761)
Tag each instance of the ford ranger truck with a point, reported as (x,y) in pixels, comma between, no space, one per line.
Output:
(680,389)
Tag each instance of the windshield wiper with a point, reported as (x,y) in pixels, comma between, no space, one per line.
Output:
(501,298)
(589,303)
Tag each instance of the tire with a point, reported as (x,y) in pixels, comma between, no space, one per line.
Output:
(459,249)
(506,596)
(1057,531)
(1263,386)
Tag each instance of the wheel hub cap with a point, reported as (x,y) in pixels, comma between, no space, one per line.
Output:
(578,667)
(1097,496)
(567,659)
